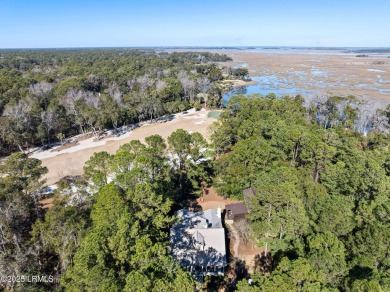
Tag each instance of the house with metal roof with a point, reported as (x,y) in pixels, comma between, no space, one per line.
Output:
(197,242)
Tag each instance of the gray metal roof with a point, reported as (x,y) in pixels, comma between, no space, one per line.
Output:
(198,239)
(189,219)
(187,253)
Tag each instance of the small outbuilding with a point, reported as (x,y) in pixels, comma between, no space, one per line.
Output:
(248,194)
(235,212)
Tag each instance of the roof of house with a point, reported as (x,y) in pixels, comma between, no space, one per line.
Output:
(212,240)
(191,219)
(198,239)
(248,194)
(237,208)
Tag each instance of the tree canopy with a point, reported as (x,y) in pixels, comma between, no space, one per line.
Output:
(322,193)
(47,95)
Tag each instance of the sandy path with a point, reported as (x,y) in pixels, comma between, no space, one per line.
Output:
(69,162)
(236,239)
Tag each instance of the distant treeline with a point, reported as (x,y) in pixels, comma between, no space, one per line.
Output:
(48,94)
(371,50)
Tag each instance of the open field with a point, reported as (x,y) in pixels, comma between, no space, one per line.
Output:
(71,161)
(325,73)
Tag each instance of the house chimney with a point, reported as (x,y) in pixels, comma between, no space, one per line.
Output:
(219,211)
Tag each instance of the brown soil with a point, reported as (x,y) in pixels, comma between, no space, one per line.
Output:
(46,203)
(247,253)
(65,146)
(211,200)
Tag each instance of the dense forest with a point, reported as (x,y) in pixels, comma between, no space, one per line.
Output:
(322,194)
(47,95)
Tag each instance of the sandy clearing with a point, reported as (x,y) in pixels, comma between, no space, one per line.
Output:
(211,200)
(71,161)
(91,143)
(238,83)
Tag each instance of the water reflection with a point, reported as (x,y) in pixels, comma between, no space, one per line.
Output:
(266,85)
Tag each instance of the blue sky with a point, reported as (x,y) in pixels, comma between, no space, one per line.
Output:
(58,23)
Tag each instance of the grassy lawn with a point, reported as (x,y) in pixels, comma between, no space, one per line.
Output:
(214,114)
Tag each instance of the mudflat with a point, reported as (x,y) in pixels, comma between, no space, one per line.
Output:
(319,72)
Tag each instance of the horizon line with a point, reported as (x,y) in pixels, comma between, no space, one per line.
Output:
(198,46)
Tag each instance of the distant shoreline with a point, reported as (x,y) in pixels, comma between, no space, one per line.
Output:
(312,74)
(382,50)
